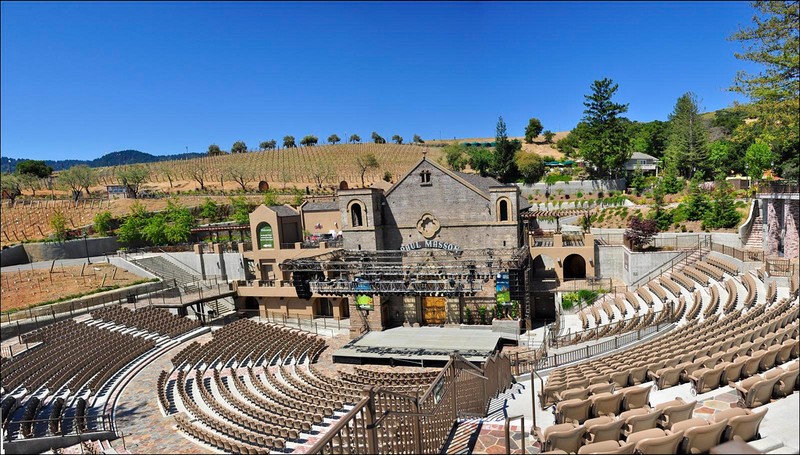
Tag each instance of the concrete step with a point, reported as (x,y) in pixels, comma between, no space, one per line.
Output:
(764,445)
(785,449)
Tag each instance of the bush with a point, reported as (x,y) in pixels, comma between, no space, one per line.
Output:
(579,195)
(102,223)
(553,178)
(482,314)
(468,316)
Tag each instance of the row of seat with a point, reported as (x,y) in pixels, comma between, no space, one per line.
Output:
(759,389)
(152,319)
(221,442)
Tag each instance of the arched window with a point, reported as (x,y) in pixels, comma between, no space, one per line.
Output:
(425,177)
(502,210)
(356,214)
(265,236)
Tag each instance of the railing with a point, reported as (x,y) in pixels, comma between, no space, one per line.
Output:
(506,426)
(311,323)
(777,187)
(782,267)
(742,255)
(703,242)
(80,425)
(389,422)
(610,329)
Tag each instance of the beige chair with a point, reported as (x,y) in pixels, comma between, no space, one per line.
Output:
(565,436)
(705,380)
(605,404)
(639,419)
(732,371)
(786,382)
(794,367)
(547,397)
(768,361)
(742,424)
(647,444)
(675,411)
(700,435)
(755,391)
(638,375)
(751,366)
(603,429)
(620,378)
(667,377)
(572,394)
(607,447)
(595,389)
(635,397)
(572,411)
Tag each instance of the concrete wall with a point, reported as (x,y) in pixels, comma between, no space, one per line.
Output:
(13,255)
(214,263)
(71,249)
(610,261)
(640,264)
(573,187)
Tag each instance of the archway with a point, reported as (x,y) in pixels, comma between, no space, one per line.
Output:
(574,266)
(263,186)
(343,185)
(251,304)
(356,214)
(502,212)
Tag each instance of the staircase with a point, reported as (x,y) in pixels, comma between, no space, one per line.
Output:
(483,431)
(166,270)
(755,241)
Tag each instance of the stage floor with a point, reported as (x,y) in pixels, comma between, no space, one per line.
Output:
(419,346)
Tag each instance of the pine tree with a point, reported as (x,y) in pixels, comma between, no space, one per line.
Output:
(503,165)
(696,203)
(687,145)
(606,144)
(722,211)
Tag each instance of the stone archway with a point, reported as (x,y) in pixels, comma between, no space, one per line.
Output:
(343,185)
(574,267)
(263,186)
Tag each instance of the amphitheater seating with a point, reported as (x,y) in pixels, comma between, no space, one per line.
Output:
(728,266)
(149,318)
(655,441)
(741,424)
(699,435)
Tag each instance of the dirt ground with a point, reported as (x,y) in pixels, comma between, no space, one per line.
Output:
(29,287)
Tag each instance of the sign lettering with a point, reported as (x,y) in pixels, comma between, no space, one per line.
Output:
(432,244)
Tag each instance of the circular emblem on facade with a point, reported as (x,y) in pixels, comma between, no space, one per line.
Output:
(428,226)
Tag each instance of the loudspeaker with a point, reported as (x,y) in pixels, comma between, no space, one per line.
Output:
(516,284)
(301,286)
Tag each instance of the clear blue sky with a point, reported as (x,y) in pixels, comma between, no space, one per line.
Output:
(83,79)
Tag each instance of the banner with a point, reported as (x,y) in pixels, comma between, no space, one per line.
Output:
(501,288)
(265,238)
(365,302)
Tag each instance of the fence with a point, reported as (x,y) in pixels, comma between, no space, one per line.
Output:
(742,255)
(390,422)
(305,321)
(610,329)
(80,425)
(782,267)
(674,242)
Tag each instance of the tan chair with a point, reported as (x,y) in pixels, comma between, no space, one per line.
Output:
(565,436)
(547,397)
(705,380)
(675,411)
(658,444)
(732,371)
(620,378)
(755,391)
(603,429)
(786,351)
(635,397)
(596,389)
(768,361)
(752,365)
(639,419)
(605,404)
(607,447)
(572,394)
(638,375)
(700,437)
(667,377)
(572,411)
(742,424)
(786,382)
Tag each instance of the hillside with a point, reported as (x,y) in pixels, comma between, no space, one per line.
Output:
(118,158)
(538,146)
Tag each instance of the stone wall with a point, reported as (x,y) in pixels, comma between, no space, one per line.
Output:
(573,187)
(13,256)
(70,249)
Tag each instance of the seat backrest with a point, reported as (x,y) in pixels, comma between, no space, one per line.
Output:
(606,404)
(642,422)
(610,431)
(786,382)
(635,397)
(745,427)
(666,444)
(703,438)
(568,441)
(760,393)
(679,412)
(733,372)
(573,410)
(710,380)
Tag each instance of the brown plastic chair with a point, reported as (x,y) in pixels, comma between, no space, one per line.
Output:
(639,419)
(667,377)
(572,394)
(768,361)
(675,411)
(603,429)
(705,380)
(595,389)
(605,404)
(743,424)
(659,445)
(700,435)
(565,436)
(572,411)
(732,371)
(635,397)
(753,363)
(755,391)
(607,447)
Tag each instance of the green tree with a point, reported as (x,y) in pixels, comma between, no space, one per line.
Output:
(376,138)
(11,186)
(132,177)
(209,210)
(240,210)
(548,136)
(722,210)
(531,166)
(30,181)
(638,182)
(270,198)
(268,145)
(333,139)
(102,222)
(78,178)
(773,42)
(37,168)
(533,130)
(605,144)
(455,156)
(288,142)
(214,150)
(397,139)
(241,172)
(309,140)
(418,140)
(649,137)
(322,171)
(503,166)
(695,204)
(178,221)
(719,156)
(687,146)
(569,145)
(480,160)
(757,159)
(368,161)
(728,119)
(130,231)
(354,138)
(670,182)
(239,147)
(58,223)
(659,213)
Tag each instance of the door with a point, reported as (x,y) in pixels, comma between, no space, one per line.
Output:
(434,310)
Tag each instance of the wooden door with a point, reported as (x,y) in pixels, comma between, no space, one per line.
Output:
(434,310)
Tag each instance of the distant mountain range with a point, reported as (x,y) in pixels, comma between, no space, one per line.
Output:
(119,158)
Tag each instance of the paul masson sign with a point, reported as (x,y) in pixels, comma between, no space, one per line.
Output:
(435,244)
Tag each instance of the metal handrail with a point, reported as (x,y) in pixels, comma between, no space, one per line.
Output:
(508,435)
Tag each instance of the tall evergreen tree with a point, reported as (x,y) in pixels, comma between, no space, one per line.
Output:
(687,145)
(606,142)
(503,165)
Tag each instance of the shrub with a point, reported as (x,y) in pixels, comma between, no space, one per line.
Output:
(498,310)
(482,314)
(580,194)
(468,316)
(102,223)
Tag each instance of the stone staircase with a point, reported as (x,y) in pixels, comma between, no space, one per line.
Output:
(755,241)
(166,270)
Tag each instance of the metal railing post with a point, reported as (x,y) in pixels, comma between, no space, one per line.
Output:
(369,420)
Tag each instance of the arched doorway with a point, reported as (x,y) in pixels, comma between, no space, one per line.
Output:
(343,185)
(263,186)
(251,306)
(574,266)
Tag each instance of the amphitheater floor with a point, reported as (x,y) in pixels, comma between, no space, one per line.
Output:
(139,417)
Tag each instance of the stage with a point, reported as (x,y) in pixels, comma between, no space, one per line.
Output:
(420,346)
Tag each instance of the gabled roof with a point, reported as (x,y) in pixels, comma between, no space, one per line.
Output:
(282,210)
(455,175)
(326,206)
(642,156)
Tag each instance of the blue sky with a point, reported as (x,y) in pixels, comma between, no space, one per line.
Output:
(83,79)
